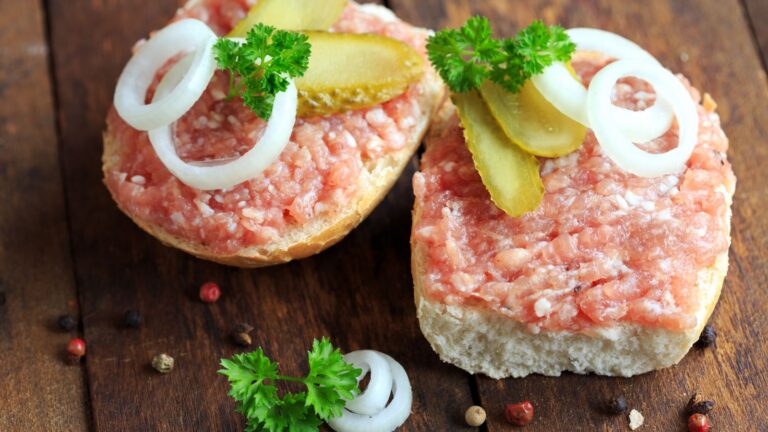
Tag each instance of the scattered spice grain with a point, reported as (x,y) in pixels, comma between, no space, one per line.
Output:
(67,322)
(708,336)
(132,318)
(475,416)
(698,405)
(519,414)
(698,423)
(163,363)
(210,292)
(616,406)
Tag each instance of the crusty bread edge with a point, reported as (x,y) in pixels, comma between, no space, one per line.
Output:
(322,233)
(481,341)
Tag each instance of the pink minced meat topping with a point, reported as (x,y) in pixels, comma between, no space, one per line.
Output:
(315,176)
(604,247)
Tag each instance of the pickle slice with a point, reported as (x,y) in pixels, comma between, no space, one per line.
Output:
(510,174)
(532,122)
(292,15)
(353,71)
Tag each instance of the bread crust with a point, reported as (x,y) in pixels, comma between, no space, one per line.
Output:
(322,233)
(482,341)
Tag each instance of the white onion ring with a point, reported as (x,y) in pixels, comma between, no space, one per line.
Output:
(639,126)
(187,35)
(619,147)
(391,417)
(570,97)
(213,175)
(610,44)
(567,94)
(376,395)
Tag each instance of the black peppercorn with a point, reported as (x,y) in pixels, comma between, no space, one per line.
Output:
(2,298)
(616,406)
(243,328)
(708,336)
(698,405)
(67,322)
(132,318)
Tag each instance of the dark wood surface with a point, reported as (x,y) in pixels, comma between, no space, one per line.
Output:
(38,392)
(64,245)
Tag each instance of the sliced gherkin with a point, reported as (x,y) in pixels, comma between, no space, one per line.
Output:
(510,174)
(292,15)
(353,71)
(533,123)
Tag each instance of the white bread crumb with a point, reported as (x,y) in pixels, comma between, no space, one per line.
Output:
(635,419)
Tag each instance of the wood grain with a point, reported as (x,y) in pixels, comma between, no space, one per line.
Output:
(757,15)
(711,44)
(358,293)
(39,391)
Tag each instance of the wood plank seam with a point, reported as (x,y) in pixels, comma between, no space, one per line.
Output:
(51,62)
(753,31)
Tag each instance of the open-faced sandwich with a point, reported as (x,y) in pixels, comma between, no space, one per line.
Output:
(543,239)
(273,142)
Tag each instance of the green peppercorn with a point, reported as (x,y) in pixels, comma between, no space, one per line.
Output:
(163,363)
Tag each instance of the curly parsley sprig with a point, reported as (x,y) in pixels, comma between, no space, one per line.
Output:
(259,67)
(467,56)
(330,383)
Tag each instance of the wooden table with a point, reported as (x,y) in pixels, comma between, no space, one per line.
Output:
(65,248)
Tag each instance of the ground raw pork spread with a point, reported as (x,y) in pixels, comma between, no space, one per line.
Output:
(316,175)
(604,247)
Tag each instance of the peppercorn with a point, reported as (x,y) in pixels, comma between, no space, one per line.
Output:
(243,328)
(2,298)
(699,405)
(163,363)
(698,423)
(75,350)
(616,406)
(132,318)
(475,416)
(67,322)
(242,339)
(210,292)
(519,414)
(708,336)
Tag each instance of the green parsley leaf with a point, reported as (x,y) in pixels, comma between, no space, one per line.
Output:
(467,56)
(260,67)
(331,380)
(462,56)
(248,375)
(330,383)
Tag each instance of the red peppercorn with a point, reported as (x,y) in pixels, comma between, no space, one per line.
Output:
(519,414)
(76,348)
(698,423)
(210,292)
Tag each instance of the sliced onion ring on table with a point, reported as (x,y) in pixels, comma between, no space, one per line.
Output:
(620,148)
(184,36)
(570,97)
(376,395)
(392,416)
(225,173)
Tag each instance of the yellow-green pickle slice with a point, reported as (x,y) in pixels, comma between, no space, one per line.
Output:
(533,123)
(346,71)
(353,71)
(292,15)
(510,174)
